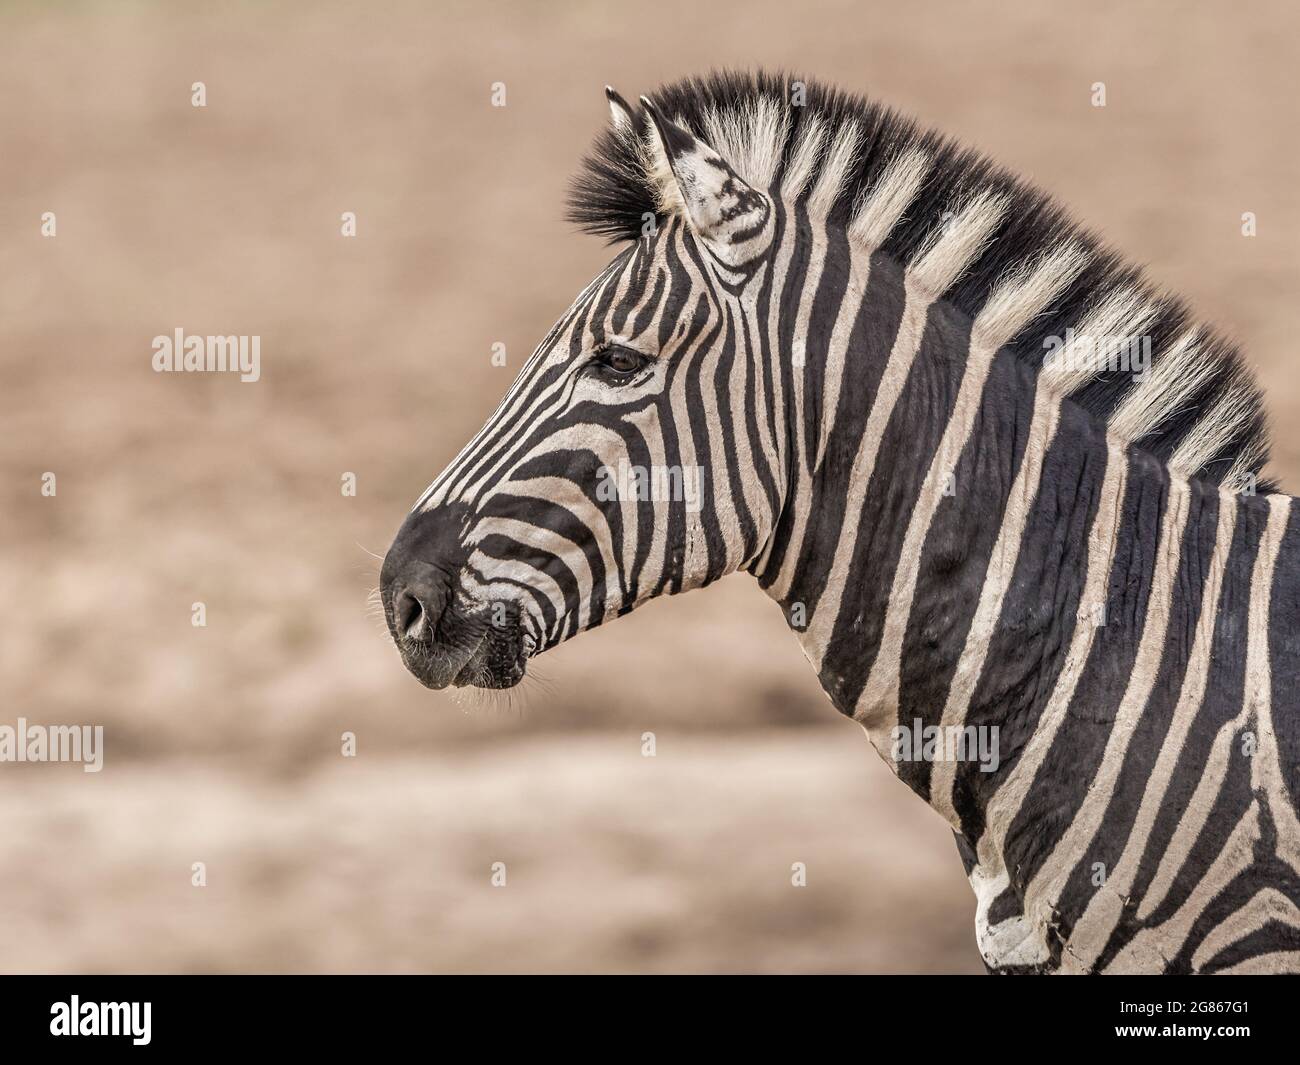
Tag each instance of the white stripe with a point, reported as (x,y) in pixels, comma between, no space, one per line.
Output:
(1009,799)
(837,347)
(803,158)
(798,372)
(1267,773)
(816,637)
(997,579)
(1105,908)
(836,169)
(958,243)
(1023,297)
(881,208)
(1267,904)
(951,253)
(1042,892)
(1150,949)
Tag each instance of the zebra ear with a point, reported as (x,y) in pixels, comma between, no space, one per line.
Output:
(695,181)
(620,114)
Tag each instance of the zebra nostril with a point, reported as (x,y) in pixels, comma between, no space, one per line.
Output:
(410,617)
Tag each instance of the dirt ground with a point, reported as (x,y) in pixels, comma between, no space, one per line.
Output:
(223,741)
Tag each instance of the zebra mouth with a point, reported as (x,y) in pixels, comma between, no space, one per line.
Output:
(469,653)
(448,638)
(496,663)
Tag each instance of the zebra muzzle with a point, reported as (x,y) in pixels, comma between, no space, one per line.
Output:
(443,638)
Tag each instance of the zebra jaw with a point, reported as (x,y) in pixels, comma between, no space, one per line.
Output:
(466,652)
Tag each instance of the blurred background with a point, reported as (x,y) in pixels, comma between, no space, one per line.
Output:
(223,743)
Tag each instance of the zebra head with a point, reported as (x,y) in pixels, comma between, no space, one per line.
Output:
(638,452)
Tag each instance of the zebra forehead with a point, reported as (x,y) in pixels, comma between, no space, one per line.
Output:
(995,246)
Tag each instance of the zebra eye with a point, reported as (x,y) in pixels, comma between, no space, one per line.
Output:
(621,362)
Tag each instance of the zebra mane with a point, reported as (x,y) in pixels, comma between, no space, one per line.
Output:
(895,186)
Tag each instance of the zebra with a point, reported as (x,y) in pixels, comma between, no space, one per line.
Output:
(893,365)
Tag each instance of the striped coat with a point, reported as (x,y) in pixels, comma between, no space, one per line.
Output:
(1005,492)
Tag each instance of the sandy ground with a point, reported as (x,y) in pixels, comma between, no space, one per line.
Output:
(223,741)
(612,861)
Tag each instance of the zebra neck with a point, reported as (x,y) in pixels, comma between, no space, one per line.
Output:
(942,546)
(905,576)
(1005,596)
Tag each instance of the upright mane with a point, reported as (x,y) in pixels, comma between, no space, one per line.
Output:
(1197,409)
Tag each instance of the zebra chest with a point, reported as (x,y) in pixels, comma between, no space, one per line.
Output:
(1009,940)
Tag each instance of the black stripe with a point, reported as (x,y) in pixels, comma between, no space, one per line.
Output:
(908,445)
(873,337)
(1065,776)
(955,557)
(1187,601)
(1284,655)
(1225,686)
(1040,609)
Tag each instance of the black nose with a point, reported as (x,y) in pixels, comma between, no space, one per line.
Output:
(416,594)
(418,573)
(412,614)
(409,615)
